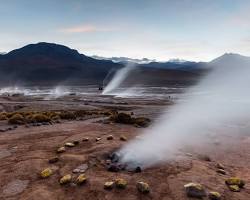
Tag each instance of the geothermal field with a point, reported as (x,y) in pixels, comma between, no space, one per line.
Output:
(170,143)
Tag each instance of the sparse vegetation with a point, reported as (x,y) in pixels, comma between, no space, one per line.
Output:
(17,119)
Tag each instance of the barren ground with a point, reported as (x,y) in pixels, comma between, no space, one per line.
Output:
(24,152)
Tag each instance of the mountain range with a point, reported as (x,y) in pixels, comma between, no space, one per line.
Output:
(51,64)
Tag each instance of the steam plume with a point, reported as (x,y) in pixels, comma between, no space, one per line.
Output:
(118,78)
(220,98)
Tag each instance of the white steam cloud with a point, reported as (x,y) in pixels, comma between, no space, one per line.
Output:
(221,98)
(118,78)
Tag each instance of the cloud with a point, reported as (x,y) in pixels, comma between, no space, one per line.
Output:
(85,29)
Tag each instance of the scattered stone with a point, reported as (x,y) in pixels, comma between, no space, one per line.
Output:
(85,139)
(61,150)
(81,179)
(46,173)
(205,158)
(4,153)
(123,138)
(138,170)
(97,139)
(235,181)
(80,169)
(76,142)
(69,144)
(234,188)
(65,179)
(109,185)
(121,183)
(143,187)
(114,157)
(113,167)
(108,162)
(214,196)
(221,171)
(15,187)
(220,166)
(53,160)
(110,137)
(195,190)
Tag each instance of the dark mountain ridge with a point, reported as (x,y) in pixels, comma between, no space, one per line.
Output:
(50,64)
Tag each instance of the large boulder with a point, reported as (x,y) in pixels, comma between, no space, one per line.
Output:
(195,190)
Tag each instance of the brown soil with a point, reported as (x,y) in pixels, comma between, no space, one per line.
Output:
(24,152)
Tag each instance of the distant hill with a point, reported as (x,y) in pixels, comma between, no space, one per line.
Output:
(46,63)
(51,64)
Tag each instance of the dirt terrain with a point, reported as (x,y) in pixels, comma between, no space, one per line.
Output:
(26,150)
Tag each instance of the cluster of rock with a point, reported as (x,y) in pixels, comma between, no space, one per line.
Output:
(120,183)
(8,129)
(196,190)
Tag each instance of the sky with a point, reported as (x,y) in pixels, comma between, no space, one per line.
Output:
(197,30)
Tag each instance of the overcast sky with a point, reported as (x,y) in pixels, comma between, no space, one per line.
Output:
(156,29)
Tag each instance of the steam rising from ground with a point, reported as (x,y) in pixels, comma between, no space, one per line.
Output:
(118,78)
(57,92)
(220,98)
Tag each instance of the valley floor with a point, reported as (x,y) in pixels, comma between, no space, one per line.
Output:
(25,151)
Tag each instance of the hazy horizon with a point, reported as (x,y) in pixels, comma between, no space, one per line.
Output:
(161,30)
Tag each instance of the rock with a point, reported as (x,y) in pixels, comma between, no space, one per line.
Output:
(113,167)
(142,121)
(234,188)
(138,170)
(65,179)
(220,166)
(221,171)
(143,187)
(4,153)
(214,196)
(69,144)
(123,138)
(76,142)
(61,150)
(235,181)
(195,190)
(98,139)
(81,179)
(85,139)
(121,183)
(15,187)
(114,157)
(46,173)
(205,158)
(53,160)
(80,169)
(110,137)
(108,162)
(109,185)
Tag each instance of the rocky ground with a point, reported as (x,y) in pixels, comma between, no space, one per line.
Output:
(25,151)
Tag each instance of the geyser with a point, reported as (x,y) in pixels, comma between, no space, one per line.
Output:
(118,78)
(219,100)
